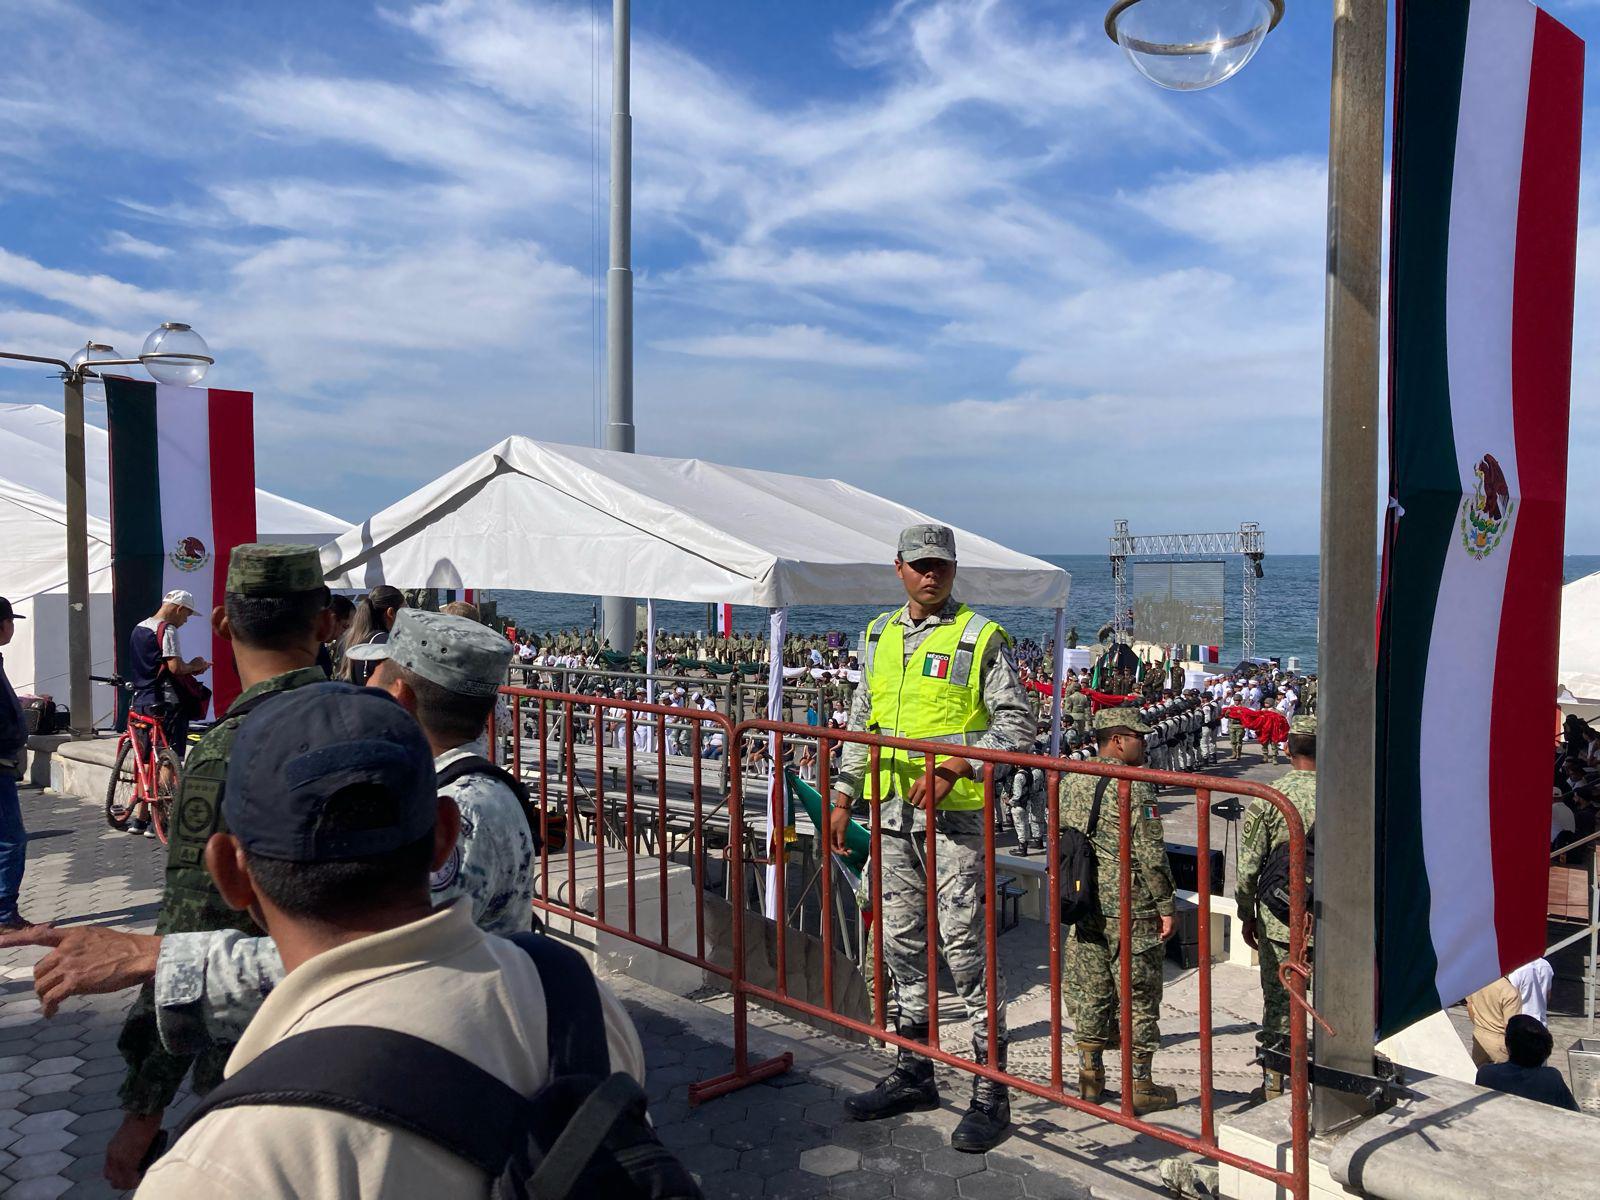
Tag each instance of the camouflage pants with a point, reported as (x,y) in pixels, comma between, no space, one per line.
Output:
(1027,819)
(1274,996)
(959,850)
(1236,738)
(154,1074)
(1093,971)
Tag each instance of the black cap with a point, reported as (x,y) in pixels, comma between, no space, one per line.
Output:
(305,746)
(5,611)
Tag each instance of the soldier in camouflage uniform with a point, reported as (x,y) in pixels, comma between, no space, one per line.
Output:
(933,669)
(1093,966)
(1076,706)
(207,986)
(1024,796)
(447,671)
(277,619)
(1264,831)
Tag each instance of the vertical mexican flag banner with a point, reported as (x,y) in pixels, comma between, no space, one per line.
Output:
(1488,112)
(183,495)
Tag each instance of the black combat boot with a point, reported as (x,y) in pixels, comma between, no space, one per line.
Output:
(990,1111)
(910,1087)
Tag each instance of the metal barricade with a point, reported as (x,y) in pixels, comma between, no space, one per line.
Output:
(556,720)
(556,762)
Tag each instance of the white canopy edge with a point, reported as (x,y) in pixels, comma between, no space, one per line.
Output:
(544,517)
(1578,661)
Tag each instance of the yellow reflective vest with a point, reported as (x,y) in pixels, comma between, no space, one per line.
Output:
(934,695)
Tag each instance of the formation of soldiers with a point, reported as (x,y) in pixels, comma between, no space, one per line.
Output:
(831,651)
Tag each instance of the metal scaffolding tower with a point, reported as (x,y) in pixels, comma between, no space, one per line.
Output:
(1248,542)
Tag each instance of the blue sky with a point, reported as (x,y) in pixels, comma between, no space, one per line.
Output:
(955,251)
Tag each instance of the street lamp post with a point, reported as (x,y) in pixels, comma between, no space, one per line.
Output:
(618,611)
(173,353)
(1192,44)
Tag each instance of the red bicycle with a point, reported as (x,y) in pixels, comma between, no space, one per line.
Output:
(145,773)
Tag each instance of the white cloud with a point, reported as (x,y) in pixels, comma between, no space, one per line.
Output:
(791,343)
(97,296)
(121,242)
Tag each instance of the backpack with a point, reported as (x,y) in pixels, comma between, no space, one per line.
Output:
(1272,885)
(584,1134)
(1080,872)
(188,697)
(476,764)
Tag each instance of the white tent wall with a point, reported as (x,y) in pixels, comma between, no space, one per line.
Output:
(36,659)
(1578,660)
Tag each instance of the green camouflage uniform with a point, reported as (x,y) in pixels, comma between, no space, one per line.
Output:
(1264,829)
(1093,965)
(1076,706)
(190,903)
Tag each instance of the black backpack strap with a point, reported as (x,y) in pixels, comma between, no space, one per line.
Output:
(476,764)
(387,1077)
(576,1021)
(585,1133)
(1094,812)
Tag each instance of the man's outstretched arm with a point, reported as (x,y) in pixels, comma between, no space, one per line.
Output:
(207,985)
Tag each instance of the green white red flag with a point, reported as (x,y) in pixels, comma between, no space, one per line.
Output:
(183,495)
(1488,116)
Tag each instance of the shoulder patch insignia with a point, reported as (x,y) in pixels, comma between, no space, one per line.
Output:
(446,874)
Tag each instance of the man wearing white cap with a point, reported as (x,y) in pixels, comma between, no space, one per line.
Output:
(154,660)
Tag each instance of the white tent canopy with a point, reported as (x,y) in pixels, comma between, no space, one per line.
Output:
(1578,662)
(33,505)
(543,517)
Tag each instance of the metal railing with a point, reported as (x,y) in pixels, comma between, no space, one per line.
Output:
(634,824)
(1587,849)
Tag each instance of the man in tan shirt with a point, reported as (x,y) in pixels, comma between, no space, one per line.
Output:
(1490,1008)
(335,825)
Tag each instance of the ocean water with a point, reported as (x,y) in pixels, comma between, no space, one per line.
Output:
(1286,607)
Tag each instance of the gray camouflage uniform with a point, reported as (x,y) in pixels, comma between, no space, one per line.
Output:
(958,845)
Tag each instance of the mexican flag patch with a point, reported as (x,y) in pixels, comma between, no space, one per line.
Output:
(936,666)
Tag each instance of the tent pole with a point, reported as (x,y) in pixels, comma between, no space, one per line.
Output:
(1058,668)
(650,652)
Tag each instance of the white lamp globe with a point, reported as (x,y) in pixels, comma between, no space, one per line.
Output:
(1187,45)
(90,353)
(176,354)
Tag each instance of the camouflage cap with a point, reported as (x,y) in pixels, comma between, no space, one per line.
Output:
(1121,718)
(927,541)
(1304,724)
(259,569)
(457,653)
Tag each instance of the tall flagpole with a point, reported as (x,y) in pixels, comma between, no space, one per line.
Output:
(1346,839)
(617,618)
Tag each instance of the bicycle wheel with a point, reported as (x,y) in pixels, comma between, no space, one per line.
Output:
(168,768)
(122,787)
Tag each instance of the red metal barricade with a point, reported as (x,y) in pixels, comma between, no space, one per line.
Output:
(558,791)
